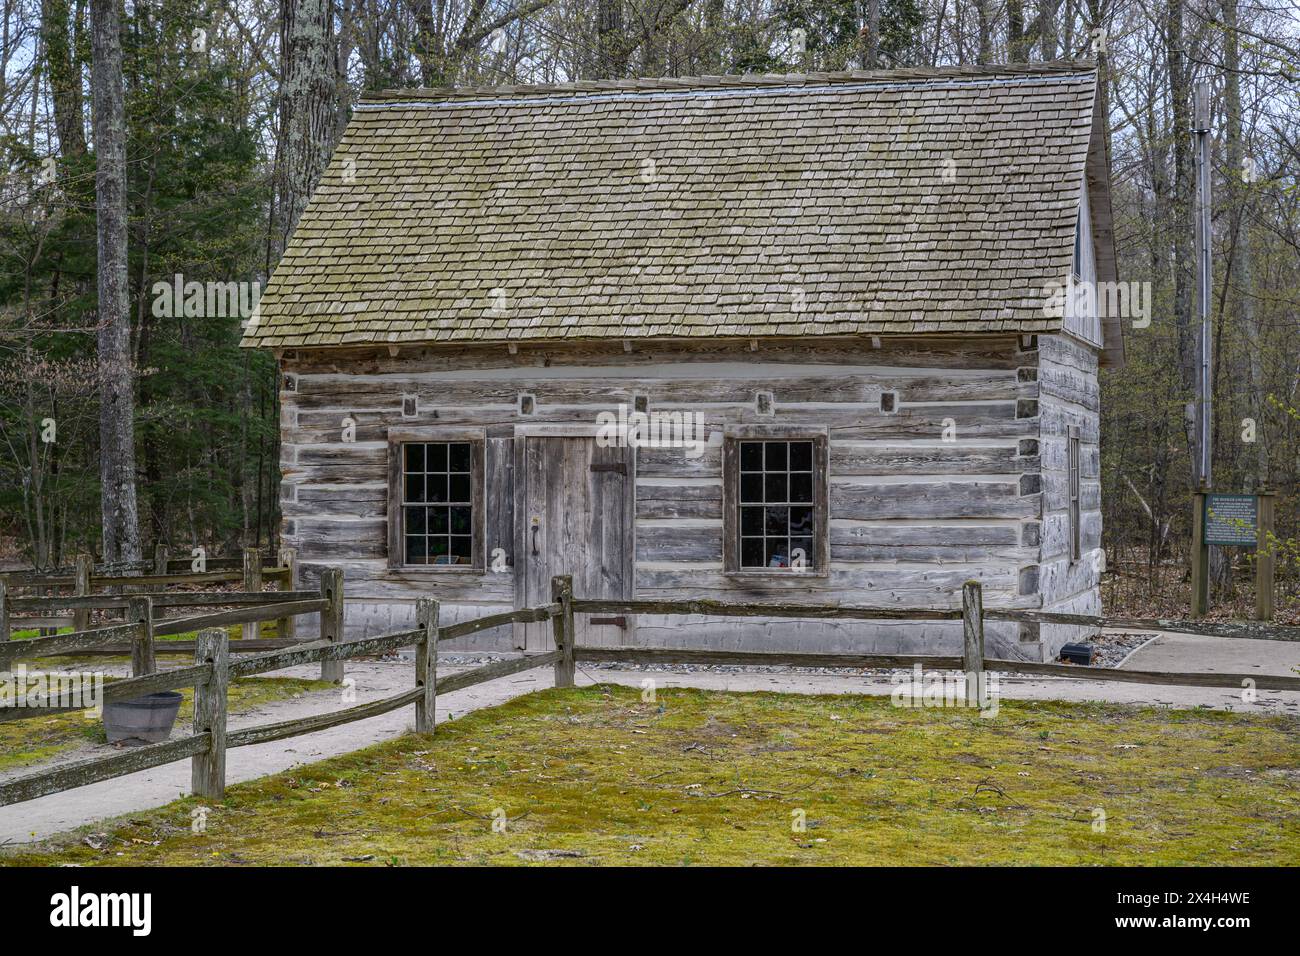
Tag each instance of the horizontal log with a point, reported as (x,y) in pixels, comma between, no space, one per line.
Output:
(479,675)
(524,616)
(307,725)
(63,643)
(95,769)
(673,655)
(730,609)
(24,623)
(126,689)
(177,599)
(243,615)
(183,648)
(315,651)
(194,577)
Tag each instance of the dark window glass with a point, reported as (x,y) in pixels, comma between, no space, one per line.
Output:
(437,473)
(778,476)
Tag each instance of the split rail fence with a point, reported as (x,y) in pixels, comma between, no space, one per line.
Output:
(213,668)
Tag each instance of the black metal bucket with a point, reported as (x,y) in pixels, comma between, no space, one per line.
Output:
(142,720)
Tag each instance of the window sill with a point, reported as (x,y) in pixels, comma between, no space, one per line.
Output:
(767,574)
(463,569)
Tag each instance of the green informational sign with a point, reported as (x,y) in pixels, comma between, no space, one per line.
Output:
(1231,519)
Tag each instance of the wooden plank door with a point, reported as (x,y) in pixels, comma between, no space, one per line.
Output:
(577,520)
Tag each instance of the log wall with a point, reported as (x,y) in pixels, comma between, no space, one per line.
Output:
(944,487)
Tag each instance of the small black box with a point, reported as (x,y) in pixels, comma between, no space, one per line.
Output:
(1077,653)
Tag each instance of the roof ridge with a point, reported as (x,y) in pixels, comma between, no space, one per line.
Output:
(728,81)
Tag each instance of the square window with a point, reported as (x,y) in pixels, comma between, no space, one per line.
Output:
(801,488)
(439,520)
(414,457)
(778,521)
(460,521)
(458,457)
(437,457)
(801,521)
(787,531)
(435,487)
(435,493)
(415,523)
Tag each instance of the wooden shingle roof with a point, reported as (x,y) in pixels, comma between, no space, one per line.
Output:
(907,202)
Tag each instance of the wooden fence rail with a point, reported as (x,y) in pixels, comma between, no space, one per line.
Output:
(213,669)
(39,610)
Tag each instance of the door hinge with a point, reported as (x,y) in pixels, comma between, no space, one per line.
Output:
(615,621)
(618,466)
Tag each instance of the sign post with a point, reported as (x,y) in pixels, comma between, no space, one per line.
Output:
(1264,559)
(1232,520)
(1200,557)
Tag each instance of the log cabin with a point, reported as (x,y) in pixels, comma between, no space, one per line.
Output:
(745,338)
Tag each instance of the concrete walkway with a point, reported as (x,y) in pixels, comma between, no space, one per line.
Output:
(41,818)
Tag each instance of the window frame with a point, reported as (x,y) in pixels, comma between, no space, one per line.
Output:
(732,439)
(476,439)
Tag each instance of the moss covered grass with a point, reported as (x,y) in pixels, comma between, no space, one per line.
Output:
(27,742)
(599,776)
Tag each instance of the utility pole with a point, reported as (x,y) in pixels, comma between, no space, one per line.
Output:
(1201,216)
(1202,471)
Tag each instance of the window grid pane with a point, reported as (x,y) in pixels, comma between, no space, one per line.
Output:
(777,511)
(437,503)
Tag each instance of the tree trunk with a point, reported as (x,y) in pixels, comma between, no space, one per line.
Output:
(1239,262)
(116,366)
(65,77)
(308,119)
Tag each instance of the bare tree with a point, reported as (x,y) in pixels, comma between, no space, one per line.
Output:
(116,366)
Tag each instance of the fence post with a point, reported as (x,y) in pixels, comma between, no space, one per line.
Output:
(972,629)
(426,664)
(252,582)
(208,770)
(161,558)
(331,620)
(81,616)
(4,610)
(288,558)
(139,611)
(1264,557)
(562,628)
